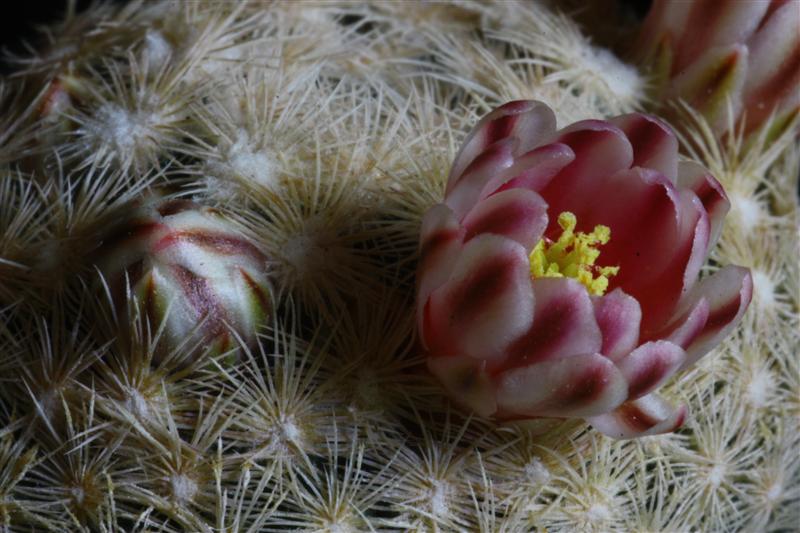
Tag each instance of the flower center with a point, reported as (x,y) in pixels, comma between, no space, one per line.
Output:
(573,256)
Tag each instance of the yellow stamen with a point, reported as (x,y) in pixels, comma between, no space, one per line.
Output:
(573,256)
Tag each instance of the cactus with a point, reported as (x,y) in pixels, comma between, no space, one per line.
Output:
(319,134)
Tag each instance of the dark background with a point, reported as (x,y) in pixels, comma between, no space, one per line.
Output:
(20,26)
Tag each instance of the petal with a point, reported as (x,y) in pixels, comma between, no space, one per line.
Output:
(718,23)
(618,315)
(773,70)
(601,149)
(563,325)
(699,180)
(664,24)
(649,415)
(486,304)
(713,83)
(631,200)
(464,193)
(518,214)
(466,381)
(528,120)
(659,300)
(698,226)
(659,248)
(643,210)
(533,170)
(649,366)
(688,327)
(440,244)
(728,293)
(654,144)
(254,301)
(577,386)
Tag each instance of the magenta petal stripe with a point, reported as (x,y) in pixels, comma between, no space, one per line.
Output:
(465,192)
(713,82)
(534,119)
(649,415)
(709,191)
(688,327)
(563,324)
(649,366)
(654,144)
(486,304)
(518,215)
(440,246)
(533,170)
(215,242)
(466,380)
(773,67)
(618,315)
(728,292)
(581,385)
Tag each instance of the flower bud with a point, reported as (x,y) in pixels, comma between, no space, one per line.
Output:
(715,55)
(187,267)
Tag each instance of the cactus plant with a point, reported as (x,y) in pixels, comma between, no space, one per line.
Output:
(321,133)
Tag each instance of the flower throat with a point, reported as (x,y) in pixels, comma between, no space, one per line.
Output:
(573,255)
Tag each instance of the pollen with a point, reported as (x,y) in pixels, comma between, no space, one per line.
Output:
(574,255)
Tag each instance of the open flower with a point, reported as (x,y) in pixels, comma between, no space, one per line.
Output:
(186,265)
(713,53)
(559,276)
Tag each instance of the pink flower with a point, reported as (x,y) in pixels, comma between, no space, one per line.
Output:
(559,276)
(188,268)
(711,51)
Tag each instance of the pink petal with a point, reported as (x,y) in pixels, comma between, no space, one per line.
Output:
(728,293)
(485,305)
(601,149)
(647,367)
(654,144)
(577,386)
(664,24)
(684,330)
(659,248)
(714,83)
(464,192)
(649,415)
(563,325)
(618,316)
(440,245)
(699,180)
(532,170)
(466,381)
(659,299)
(718,23)
(773,69)
(518,214)
(527,120)
(785,111)
(643,210)
(700,230)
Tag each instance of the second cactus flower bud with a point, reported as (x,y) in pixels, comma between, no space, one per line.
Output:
(187,267)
